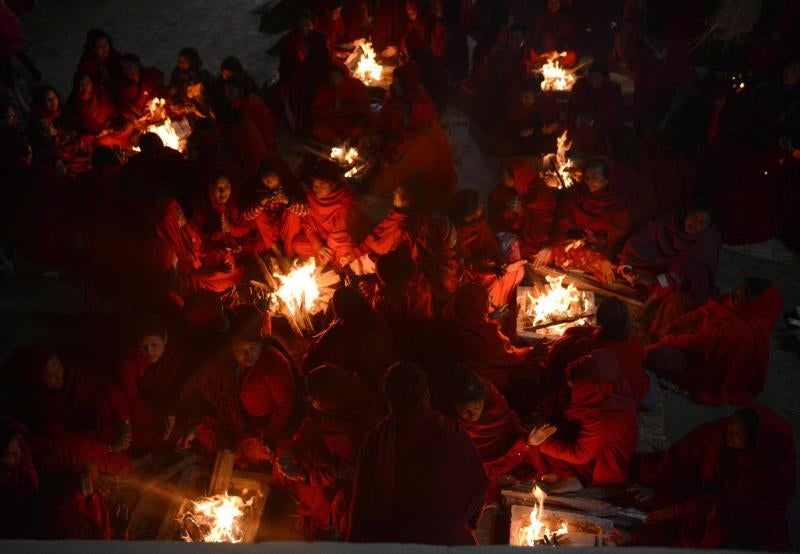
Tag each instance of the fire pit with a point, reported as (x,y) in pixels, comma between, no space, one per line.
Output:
(348,158)
(547,310)
(556,78)
(172,133)
(362,61)
(558,168)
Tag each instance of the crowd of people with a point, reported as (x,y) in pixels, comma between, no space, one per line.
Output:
(417,402)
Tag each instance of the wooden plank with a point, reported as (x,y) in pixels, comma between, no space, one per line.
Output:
(168,472)
(223,473)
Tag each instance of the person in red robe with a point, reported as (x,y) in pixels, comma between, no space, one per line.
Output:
(334,220)
(293,48)
(393,20)
(557,21)
(676,258)
(150,376)
(603,411)
(727,484)
(359,340)
(340,109)
(472,338)
(82,414)
(99,59)
(432,74)
(719,352)
(669,163)
(413,140)
(591,225)
(411,227)
(253,108)
(447,37)
(95,115)
(630,175)
(595,107)
(419,478)
(483,259)
(137,87)
(187,73)
(276,207)
(242,141)
(523,205)
(319,465)
(244,397)
(232,67)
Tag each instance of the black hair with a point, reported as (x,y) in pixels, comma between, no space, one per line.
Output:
(612,318)
(705,205)
(350,306)
(465,386)
(499,17)
(416,189)
(150,144)
(405,385)
(756,286)
(232,64)
(193,56)
(93,35)
(267,167)
(395,269)
(750,420)
(39,92)
(130,58)
(326,170)
(238,82)
(150,325)
(246,323)
(464,204)
(104,156)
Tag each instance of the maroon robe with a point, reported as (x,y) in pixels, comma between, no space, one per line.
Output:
(335,221)
(133,97)
(604,106)
(341,113)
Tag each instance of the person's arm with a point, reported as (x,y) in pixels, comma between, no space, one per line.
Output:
(281,387)
(585,448)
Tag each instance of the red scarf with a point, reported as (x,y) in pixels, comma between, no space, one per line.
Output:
(185,243)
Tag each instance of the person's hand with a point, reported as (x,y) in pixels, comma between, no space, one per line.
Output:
(640,493)
(525,133)
(122,443)
(185,442)
(550,128)
(169,426)
(607,272)
(289,468)
(663,514)
(389,52)
(324,255)
(346,260)
(541,433)
(543,257)
(298,208)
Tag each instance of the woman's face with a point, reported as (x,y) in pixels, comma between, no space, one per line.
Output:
(85,88)
(321,188)
(474,216)
(271,181)
(53,374)
(399,199)
(595,180)
(102,48)
(246,353)
(12,457)
(411,11)
(696,222)
(152,347)
(471,411)
(51,101)
(184,63)
(553,5)
(180,216)
(226,74)
(221,190)
(736,436)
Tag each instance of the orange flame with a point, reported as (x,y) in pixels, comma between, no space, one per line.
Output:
(298,289)
(220,518)
(555,77)
(558,302)
(538,530)
(368,70)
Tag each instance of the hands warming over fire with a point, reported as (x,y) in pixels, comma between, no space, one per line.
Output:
(541,433)
(543,258)
(298,208)
(186,440)
(324,255)
(289,468)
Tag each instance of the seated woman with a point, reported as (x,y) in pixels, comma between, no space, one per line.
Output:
(94,115)
(232,67)
(523,205)
(359,340)
(99,59)
(409,226)
(601,416)
(557,21)
(676,258)
(151,375)
(591,223)
(719,352)
(447,37)
(293,48)
(595,107)
(45,104)
(137,87)
(81,413)
(242,398)
(473,339)
(726,484)
(432,74)
(340,110)
(413,141)
(484,414)
(418,477)
(334,220)
(187,74)
(319,465)
(484,261)
(48,134)
(276,205)
(253,109)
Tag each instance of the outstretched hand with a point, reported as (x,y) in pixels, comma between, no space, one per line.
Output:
(541,433)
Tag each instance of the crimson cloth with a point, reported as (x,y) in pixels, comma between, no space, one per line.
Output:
(603,105)
(102,71)
(95,114)
(449,41)
(390,24)
(432,74)
(207,220)
(559,25)
(244,145)
(133,96)
(424,237)
(82,418)
(24,479)
(150,390)
(477,342)
(526,209)
(507,140)
(341,113)
(259,115)
(605,213)
(496,83)
(365,349)
(604,411)
(665,246)
(256,401)
(724,498)
(419,479)
(726,349)
(403,306)
(745,185)
(335,221)
(293,52)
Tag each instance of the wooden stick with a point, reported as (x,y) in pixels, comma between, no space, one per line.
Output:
(559,322)
(223,472)
(626,294)
(168,472)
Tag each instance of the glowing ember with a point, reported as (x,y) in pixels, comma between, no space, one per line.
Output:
(368,70)
(299,289)
(537,532)
(557,303)
(344,155)
(564,164)
(555,77)
(218,518)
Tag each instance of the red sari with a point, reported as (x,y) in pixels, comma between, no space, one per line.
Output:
(419,479)
(96,114)
(260,116)
(341,113)
(477,342)
(335,221)
(133,97)
(102,71)
(726,499)
(723,349)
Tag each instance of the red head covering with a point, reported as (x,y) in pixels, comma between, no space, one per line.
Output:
(470,304)
(179,238)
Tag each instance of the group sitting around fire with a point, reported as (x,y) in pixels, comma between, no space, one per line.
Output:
(175,203)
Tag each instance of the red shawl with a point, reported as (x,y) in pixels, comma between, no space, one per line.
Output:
(606,212)
(478,342)
(259,114)
(390,23)
(727,346)
(419,479)
(605,411)
(399,306)
(183,241)
(132,97)
(102,71)
(725,499)
(477,243)
(664,246)
(244,146)
(341,113)
(497,430)
(334,221)
(95,114)
(293,52)
(150,389)
(207,217)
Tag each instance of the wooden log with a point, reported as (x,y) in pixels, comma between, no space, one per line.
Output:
(585,282)
(559,322)
(223,472)
(168,472)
